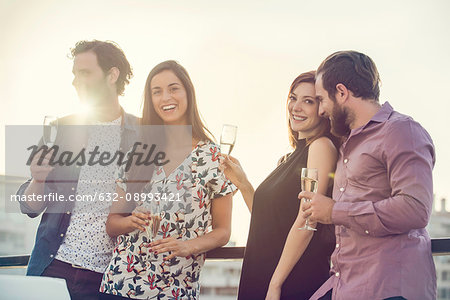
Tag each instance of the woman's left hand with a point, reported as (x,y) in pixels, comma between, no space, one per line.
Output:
(176,246)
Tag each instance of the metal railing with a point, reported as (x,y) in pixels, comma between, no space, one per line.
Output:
(438,246)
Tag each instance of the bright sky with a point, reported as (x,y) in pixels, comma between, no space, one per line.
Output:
(242,57)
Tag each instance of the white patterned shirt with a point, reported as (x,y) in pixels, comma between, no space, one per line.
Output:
(86,243)
(186,197)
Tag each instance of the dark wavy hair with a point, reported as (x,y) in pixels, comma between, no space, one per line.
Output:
(324,125)
(109,55)
(149,115)
(353,69)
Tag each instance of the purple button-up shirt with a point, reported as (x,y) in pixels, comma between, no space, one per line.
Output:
(384,193)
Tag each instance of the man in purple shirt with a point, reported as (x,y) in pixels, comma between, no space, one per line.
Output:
(383,189)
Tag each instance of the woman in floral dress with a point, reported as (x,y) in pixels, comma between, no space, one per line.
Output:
(194,199)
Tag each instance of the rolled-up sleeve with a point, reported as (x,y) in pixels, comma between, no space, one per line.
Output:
(24,207)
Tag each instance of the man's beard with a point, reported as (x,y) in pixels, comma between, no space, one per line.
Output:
(340,121)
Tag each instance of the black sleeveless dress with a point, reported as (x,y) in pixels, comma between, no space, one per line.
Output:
(275,208)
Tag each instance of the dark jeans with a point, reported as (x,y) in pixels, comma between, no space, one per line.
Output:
(82,284)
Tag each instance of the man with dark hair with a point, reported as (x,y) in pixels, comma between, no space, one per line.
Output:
(71,241)
(109,56)
(383,190)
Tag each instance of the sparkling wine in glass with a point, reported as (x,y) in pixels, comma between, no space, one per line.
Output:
(50,130)
(153,226)
(309,183)
(228,138)
(153,222)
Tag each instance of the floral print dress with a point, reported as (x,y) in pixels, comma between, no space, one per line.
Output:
(135,271)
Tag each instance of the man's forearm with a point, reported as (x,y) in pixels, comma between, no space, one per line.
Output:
(36,188)
(385,217)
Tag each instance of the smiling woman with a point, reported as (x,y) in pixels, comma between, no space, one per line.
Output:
(169,98)
(303,107)
(167,264)
(170,79)
(304,121)
(278,256)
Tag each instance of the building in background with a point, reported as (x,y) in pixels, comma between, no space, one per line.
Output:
(17,231)
(220,279)
(439,227)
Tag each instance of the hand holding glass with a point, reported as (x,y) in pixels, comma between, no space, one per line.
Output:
(309,183)
(228,138)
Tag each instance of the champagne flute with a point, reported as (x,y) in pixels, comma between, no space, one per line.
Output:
(50,130)
(228,138)
(309,183)
(154,221)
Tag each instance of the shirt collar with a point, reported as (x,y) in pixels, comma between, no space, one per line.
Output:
(383,113)
(381,116)
(129,121)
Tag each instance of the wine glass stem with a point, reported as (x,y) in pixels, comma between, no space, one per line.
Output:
(307,219)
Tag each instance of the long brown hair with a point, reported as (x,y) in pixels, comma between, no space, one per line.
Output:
(140,175)
(324,125)
(149,115)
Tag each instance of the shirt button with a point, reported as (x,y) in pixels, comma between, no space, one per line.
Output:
(51,255)
(68,212)
(337,274)
(337,245)
(367,231)
(345,160)
(61,235)
(73,189)
(342,189)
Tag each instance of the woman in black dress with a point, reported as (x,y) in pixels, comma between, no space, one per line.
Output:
(281,261)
